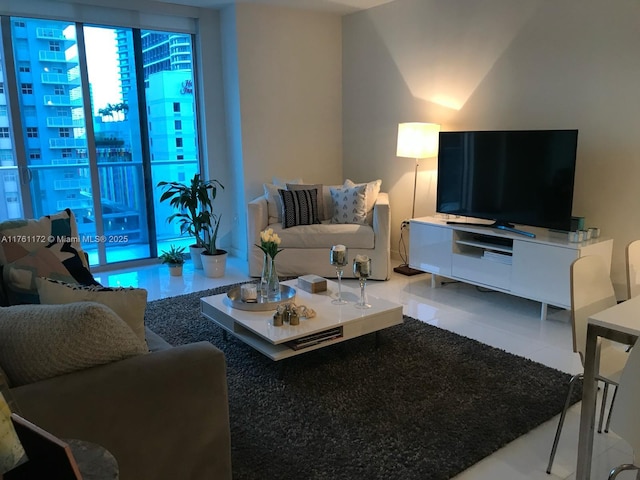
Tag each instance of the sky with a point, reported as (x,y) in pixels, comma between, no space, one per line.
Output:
(102,66)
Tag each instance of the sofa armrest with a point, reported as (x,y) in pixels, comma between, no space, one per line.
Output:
(382,219)
(257,221)
(163,415)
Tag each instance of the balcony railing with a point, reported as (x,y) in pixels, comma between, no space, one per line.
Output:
(49,56)
(60,78)
(62,101)
(51,34)
(67,143)
(65,122)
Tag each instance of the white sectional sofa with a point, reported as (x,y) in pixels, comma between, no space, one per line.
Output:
(307,247)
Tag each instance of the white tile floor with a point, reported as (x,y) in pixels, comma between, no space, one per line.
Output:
(502,321)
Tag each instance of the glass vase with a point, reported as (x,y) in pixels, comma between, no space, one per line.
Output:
(269,283)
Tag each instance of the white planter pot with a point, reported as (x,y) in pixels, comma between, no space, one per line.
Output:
(195,256)
(175,270)
(214,265)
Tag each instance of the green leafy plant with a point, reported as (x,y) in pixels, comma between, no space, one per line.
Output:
(194,203)
(173,256)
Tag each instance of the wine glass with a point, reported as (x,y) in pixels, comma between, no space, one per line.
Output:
(362,270)
(339,258)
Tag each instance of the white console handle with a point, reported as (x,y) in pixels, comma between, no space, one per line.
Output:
(534,268)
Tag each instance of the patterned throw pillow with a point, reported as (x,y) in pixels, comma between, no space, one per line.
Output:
(274,203)
(44,341)
(372,191)
(20,276)
(318,187)
(127,302)
(299,207)
(58,233)
(349,205)
(48,247)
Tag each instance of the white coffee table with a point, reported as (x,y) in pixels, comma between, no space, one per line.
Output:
(256,329)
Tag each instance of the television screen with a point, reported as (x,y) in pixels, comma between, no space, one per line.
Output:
(511,177)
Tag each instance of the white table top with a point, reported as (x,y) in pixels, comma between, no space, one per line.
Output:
(327,316)
(623,317)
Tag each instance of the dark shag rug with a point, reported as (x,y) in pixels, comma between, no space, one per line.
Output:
(425,405)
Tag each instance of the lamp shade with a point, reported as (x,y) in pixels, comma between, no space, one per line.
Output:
(418,140)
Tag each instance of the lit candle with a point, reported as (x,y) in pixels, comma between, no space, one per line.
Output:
(338,255)
(249,292)
(363,265)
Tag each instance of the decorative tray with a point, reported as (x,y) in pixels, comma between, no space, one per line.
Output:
(287,294)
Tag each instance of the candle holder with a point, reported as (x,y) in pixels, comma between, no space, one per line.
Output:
(362,271)
(339,258)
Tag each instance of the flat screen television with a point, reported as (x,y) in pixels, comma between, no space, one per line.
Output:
(523,177)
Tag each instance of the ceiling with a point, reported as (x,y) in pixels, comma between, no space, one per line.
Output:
(340,7)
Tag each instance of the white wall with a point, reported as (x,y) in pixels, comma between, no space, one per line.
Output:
(499,64)
(289,80)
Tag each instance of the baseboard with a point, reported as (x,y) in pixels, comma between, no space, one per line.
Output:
(407,270)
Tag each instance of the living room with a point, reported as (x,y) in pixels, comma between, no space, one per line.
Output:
(319,95)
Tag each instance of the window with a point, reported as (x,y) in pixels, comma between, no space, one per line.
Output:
(18,24)
(34,155)
(59,90)
(1,87)
(32,132)
(4,132)
(179,142)
(181,176)
(54,46)
(178,124)
(25,68)
(63,112)
(176,107)
(67,153)
(64,132)
(4,111)
(27,88)
(179,157)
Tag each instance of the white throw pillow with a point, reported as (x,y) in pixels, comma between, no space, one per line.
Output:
(349,205)
(128,303)
(373,189)
(44,341)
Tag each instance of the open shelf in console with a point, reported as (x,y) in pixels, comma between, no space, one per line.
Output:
(476,243)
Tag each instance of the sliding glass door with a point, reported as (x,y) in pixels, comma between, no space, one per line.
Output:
(91,118)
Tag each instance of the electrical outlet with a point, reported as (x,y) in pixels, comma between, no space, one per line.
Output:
(405,224)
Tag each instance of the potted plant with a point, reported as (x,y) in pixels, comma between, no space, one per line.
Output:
(195,216)
(214,260)
(174,258)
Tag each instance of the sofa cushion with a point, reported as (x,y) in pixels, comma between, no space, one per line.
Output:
(274,203)
(324,235)
(44,341)
(349,204)
(127,302)
(19,276)
(319,198)
(372,191)
(58,232)
(299,207)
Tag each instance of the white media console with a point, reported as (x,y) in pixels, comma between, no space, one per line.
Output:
(534,268)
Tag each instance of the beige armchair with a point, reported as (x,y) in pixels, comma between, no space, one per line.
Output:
(306,248)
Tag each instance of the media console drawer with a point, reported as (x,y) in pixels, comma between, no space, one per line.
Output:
(481,270)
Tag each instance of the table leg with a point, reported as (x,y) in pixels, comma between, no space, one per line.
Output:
(588,408)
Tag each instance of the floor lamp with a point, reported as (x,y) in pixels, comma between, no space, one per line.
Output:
(415,140)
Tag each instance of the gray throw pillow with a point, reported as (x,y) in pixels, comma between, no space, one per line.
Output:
(43,341)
